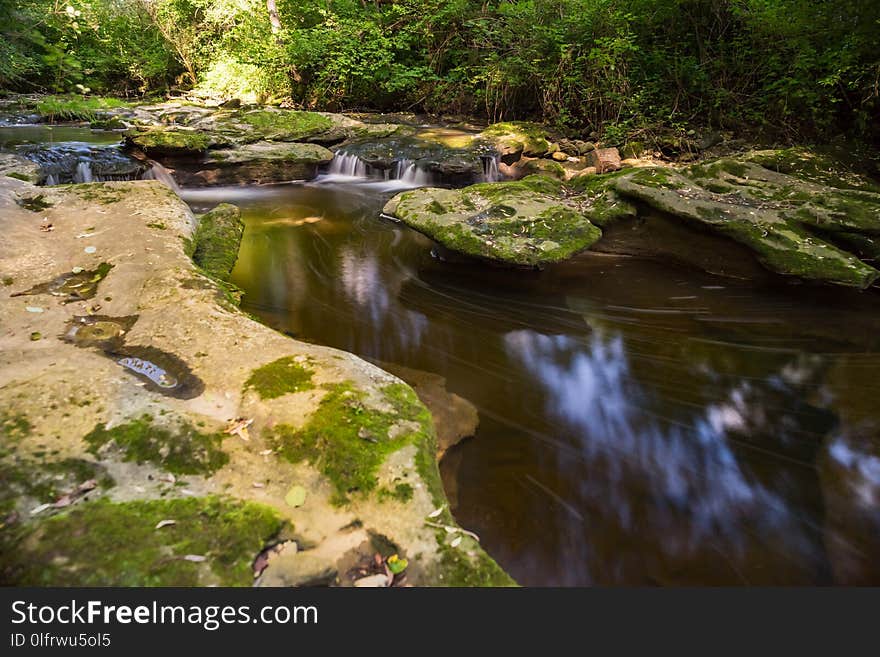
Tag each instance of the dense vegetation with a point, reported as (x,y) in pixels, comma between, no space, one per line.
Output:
(801,68)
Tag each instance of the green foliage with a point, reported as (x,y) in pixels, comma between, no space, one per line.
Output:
(615,67)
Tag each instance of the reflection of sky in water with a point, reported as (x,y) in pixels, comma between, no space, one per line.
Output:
(695,489)
(863,472)
(368,287)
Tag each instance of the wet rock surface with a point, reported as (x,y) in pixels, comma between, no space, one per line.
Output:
(179,426)
(797,213)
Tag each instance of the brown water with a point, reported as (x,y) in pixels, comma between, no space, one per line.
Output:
(639,423)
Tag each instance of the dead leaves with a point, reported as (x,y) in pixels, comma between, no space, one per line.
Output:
(380,573)
(296,496)
(239,427)
(68,498)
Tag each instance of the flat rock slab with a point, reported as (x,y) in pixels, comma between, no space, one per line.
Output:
(150,432)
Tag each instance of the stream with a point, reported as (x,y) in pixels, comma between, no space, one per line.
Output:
(640,423)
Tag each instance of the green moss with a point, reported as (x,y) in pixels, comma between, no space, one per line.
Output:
(105,544)
(457,569)
(20,176)
(46,481)
(214,246)
(8,280)
(36,203)
(181,449)
(348,441)
(158,225)
(280,377)
(531,138)
(400,492)
(814,166)
(286,125)
(75,108)
(97,192)
(169,141)
(13,426)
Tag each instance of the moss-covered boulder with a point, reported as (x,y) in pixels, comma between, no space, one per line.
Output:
(260,162)
(216,240)
(14,166)
(526,222)
(516,138)
(794,225)
(176,142)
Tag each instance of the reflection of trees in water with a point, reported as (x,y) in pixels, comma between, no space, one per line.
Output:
(698,489)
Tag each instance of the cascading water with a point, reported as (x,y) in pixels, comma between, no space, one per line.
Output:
(490,168)
(163,175)
(79,162)
(349,167)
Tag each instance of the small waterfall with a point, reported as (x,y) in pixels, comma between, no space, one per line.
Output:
(83,173)
(163,175)
(347,165)
(407,171)
(490,168)
(77,162)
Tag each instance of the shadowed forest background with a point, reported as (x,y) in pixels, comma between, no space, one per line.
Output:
(796,69)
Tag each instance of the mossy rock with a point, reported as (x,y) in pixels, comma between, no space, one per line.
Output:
(513,138)
(526,222)
(286,125)
(280,377)
(216,241)
(782,218)
(347,439)
(213,541)
(172,141)
(178,448)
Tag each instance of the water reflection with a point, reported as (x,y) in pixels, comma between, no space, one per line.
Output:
(638,424)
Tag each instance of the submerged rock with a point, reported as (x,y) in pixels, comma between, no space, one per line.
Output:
(527,222)
(260,162)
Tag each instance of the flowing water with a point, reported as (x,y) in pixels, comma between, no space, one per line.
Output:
(639,423)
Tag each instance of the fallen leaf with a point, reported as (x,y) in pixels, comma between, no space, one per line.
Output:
(33,309)
(197,558)
(296,496)
(77,270)
(169,478)
(47,228)
(436,512)
(68,498)
(165,523)
(90,249)
(373,581)
(239,427)
(266,452)
(456,541)
(397,565)
(258,484)
(40,509)
(451,530)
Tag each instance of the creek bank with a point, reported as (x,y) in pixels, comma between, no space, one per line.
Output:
(151,434)
(796,212)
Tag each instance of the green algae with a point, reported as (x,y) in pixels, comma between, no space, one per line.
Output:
(46,481)
(180,448)
(36,203)
(101,543)
(169,141)
(347,440)
(289,125)
(280,377)
(215,243)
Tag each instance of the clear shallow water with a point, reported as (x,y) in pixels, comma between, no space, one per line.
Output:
(639,423)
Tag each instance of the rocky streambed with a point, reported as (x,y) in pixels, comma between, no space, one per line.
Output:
(141,406)
(153,434)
